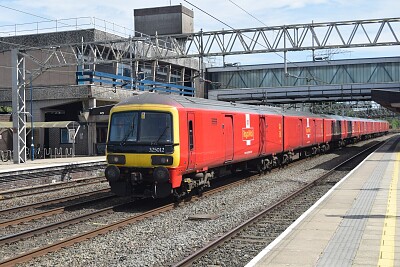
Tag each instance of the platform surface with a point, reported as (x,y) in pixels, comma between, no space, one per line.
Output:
(46,163)
(355,224)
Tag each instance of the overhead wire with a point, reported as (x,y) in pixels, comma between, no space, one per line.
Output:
(47,19)
(248,13)
(234,29)
(33,47)
(44,49)
(27,13)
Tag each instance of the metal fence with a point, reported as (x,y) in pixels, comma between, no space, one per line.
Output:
(68,24)
(46,153)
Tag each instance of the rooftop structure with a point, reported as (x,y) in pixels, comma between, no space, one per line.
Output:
(165,20)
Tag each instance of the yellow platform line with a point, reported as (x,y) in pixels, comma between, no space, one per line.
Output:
(386,253)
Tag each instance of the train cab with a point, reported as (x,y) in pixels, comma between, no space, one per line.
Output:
(142,148)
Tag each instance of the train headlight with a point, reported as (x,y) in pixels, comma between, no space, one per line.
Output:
(116,159)
(162,160)
(161,175)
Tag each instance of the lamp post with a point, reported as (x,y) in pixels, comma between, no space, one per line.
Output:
(32,133)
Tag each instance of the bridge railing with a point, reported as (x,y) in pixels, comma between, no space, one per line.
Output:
(125,82)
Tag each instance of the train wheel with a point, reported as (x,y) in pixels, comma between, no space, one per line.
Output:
(178,195)
(267,166)
(278,162)
(260,167)
(200,191)
(233,169)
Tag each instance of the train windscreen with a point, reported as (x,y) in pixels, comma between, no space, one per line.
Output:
(146,127)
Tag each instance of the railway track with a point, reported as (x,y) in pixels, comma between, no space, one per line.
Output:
(64,223)
(101,230)
(47,188)
(17,179)
(112,226)
(38,215)
(238,246)
(5,212)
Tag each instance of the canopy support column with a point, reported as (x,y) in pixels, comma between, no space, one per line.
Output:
(18,103)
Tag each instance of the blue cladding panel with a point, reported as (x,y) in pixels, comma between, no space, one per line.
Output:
(125,82)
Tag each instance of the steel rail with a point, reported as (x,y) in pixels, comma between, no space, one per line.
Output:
(47,228)
(75,183)
(49,212)
(52,201)
(213,244)
(105,229)
(79,238)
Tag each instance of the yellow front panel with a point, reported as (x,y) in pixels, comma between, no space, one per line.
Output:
(142,160)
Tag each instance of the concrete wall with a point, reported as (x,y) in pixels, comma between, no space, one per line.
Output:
(55,76)
(56,38)
(164,20)
(5,134)
(81,141)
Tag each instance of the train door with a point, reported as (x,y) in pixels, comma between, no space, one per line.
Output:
(318,131)
(349,129)
(263,135)
(336,130)
(192,147)
(228,137)
(300,133)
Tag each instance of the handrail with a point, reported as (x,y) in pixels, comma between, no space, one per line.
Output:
(78,23)
(125,82)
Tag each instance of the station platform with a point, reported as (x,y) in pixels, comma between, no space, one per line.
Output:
(355,224)
(6,167)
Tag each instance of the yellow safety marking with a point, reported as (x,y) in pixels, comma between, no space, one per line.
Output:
(386,253)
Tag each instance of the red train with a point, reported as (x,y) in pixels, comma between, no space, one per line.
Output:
(162,145)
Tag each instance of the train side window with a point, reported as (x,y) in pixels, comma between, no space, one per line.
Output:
(191,144)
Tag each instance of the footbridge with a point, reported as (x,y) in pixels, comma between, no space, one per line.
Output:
(305,82)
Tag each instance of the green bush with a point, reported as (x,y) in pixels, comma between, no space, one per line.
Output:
(5,109)
(394,123)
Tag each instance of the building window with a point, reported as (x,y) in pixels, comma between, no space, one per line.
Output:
(67,136)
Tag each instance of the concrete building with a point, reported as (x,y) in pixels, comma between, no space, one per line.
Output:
(59,93)
(166,20)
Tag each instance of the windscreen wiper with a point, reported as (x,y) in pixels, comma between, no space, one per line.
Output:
(123,141)
(165,129)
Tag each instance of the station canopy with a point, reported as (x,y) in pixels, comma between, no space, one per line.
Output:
(390,99)
(41,124)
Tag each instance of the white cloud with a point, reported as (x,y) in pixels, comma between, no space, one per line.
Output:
(275,12)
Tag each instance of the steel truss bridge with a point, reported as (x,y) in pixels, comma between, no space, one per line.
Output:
(296,37)
(316,82)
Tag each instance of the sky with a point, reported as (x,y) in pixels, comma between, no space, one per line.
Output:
(237,14)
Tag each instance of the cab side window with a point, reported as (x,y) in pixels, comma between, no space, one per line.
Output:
(191,144)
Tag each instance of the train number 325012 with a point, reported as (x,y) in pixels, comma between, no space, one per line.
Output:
(156,149)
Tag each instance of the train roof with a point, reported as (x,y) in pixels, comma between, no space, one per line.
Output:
(194,102)
(202,103)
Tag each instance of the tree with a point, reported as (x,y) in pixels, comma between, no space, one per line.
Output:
(395,123)
(4,109)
